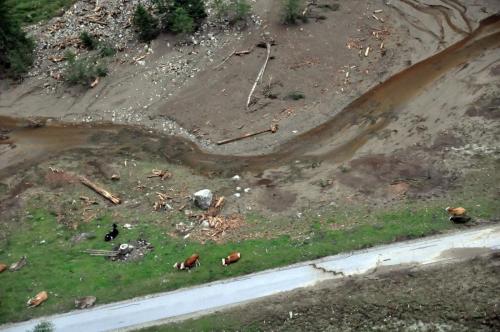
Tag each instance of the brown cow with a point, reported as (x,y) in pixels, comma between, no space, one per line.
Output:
(232,258)
(458,211)
(38,299)
(189,263)
(3,267)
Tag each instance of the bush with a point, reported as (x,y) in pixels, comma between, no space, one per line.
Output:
(221,9)
(292,11)
(43,327)
(83,70)
(242,9)
(181,22)
(296,95)
(106,50)
(88,41)
(16,49)
(173,14)
(145,24)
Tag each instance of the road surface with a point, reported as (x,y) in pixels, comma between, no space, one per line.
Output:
(196,301)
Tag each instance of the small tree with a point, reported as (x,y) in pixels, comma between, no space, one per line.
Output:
(43,327)
(145,24)
(88,41)
(292,11)
(241,9)
(16,49)
(181,21)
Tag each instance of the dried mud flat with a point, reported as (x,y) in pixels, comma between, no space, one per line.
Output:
(454,297)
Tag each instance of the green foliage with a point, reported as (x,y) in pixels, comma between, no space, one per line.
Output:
(181,22)
(83,70)
(16,49)
(145,24)
(174,14)
(242,9)
(292,11)
(296,95)
(232,10)
(33,11)
(88,41)
(43,327)
(106,50)
(221,9)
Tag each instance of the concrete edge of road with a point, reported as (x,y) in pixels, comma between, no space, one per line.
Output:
(492,228)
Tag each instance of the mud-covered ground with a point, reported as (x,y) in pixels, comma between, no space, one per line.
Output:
(455,297)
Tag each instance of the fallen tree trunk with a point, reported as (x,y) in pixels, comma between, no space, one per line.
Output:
(104,193)
(273,129)
(261,73)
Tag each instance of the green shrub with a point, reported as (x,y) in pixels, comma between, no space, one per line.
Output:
(145,24)
(16,49)
(296,95)
(221,9)
(174,20)
(181,22)
(242,9)
(292,11)
(106,50)
(88,41)
(83,70)
(43,327)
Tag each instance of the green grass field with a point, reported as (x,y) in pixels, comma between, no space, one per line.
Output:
(33,11)
(66,273)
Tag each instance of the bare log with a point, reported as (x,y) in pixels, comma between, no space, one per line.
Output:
(273,129)
(261,73)
(104,193)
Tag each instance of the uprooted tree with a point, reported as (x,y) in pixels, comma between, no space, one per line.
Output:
(16,49)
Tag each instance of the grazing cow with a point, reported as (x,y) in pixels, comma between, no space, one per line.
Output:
(111,235)
(460,219)
(233,258)
(458,211)
(3,267)
(38,299)
(189,263)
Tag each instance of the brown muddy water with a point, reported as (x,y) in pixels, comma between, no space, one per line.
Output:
(334,141)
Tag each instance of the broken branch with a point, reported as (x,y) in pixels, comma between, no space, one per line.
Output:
(104,193)
(273,129)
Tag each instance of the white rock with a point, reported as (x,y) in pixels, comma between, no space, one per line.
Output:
(247,190)
(236,178)
(203,198)
(238,188)
(237,195)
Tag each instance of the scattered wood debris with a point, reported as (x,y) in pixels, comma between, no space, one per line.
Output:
(162,174)
(104,193)
(95,82)
(274,128)
(38,299)
(115,177)
(87,201)
(99,252)
(234,52)
(18,265)
(161,203)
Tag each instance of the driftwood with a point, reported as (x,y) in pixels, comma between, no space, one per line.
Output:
(273,129)
(97,252)
(237,53)
(104,193)
(261,73)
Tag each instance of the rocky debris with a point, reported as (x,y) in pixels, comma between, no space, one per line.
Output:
(18,265)
(85,302)
(109,22)
(203,198)
(82,237)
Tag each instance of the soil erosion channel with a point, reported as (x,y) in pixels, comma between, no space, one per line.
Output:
(335,140)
